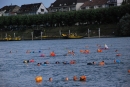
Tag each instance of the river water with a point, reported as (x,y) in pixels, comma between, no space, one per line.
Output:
(15,73)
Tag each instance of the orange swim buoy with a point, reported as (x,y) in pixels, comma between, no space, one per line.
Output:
(52,54)
(38,79)
(83,78)
(99,50)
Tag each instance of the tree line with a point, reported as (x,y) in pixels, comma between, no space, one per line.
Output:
(90,16)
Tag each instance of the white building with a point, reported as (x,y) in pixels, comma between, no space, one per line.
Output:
(94,4)
(75,5)
(2,13)
(119,2)
(9,10)
(32,9)
(66,5)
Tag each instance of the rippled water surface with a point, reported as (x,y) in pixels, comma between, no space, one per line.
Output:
(14,73)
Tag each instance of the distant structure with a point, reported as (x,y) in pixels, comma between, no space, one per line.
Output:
(66,5)
(125,2)
(59,6)
(9,10)
(32,9)
(119,2)
(2,12)
(94,4)
(75,5)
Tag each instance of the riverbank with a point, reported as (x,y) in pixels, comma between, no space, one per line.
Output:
(106,30)
(59,38)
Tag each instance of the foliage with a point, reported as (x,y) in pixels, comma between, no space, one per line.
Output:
(125,2)
(91,16)
(124,25)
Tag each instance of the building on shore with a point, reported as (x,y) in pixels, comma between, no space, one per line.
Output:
(66,5)
(32,9)
(10,10)
(58,6)
(26,9)
(75,5)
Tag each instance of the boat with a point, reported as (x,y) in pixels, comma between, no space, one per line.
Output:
(8,38)
(72,36)
(51,37)
(65,36)
(16,38)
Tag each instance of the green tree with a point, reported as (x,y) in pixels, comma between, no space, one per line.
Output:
(69,18)
(2,21)
(124,26)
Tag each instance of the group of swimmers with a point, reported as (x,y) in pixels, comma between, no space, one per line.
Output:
(72,61)
(93,63)
(66,62)
(52,54)
(28,61)
(102,62)
(57,62)
(70,52)
(75,78)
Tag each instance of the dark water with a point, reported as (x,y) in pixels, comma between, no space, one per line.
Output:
(14,73)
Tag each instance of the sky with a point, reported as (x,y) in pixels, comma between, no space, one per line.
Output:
(46,3)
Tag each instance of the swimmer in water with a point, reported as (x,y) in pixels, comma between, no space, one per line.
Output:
(91,63)
(66,79)
(75,78)
(83,78)
(26,61)
(50,79)
(38,64)
(72,62)
(57,62)
(46,62)
(65,62)
(102,63)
